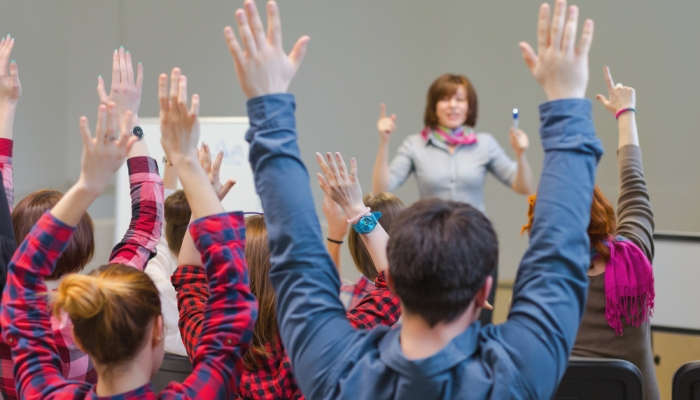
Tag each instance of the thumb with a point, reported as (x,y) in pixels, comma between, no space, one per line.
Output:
(529,55)
(602,99)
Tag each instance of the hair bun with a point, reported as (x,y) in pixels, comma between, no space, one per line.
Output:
(81,296)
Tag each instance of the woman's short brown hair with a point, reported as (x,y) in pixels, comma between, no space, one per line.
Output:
(177,219)
(82,244)
(446,86)
(390,206)
(111,309)
(602,225)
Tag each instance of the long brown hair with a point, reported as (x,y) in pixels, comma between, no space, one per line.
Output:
(390,206)
(81,246)
(600,228)
(257,255)
(446,85)
(177,219)
(111,309)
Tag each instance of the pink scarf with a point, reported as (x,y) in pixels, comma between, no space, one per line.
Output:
(455,138)
(629,285)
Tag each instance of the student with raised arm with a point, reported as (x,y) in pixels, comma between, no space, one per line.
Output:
(10,91)
(616,321)
(115,310)
(267,371)
(440,252)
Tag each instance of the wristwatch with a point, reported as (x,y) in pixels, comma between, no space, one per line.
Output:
(367,223)
(138,132)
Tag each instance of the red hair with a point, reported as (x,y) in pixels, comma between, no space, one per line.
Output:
(600,228)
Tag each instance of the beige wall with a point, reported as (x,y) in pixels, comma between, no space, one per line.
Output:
(363,52)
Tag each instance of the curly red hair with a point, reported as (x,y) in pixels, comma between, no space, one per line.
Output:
(600,228)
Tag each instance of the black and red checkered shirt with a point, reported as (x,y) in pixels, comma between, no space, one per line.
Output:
(275,379)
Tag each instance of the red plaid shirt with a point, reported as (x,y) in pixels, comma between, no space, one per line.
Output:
(275,379)
(137,246)
(352,294)
(229,315)
(6,168)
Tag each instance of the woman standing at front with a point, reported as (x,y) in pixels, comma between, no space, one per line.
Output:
(448,158)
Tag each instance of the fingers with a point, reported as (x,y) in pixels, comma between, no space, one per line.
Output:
(608,77)
(6,46)
(216,167)
(194,108)
(85,131)
(226,188)
(557,27)
(330,160)
(567,43)
(246,35)
(353,169)
(182,95)
(342,171)
(163,92)
(324,166)
(139,77)
(543,28)
(101,93)
(101,127)
(528,55)
(584,44)
(274,25)
(255,23)
(14,72)
(603,100)
(299,51)
(129,70)
(323,183)
(174,86)
(382,111)
(233,47)
(115,69)
(123,75)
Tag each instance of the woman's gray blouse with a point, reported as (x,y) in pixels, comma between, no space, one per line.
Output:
(459,176)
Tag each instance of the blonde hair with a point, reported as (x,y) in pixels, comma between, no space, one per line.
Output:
(111,309)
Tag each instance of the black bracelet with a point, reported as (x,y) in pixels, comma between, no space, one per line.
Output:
(334,241)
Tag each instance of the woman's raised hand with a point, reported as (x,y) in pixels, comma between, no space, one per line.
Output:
(213,171)
(560,65)
(519,141)
(10,86)
(261,63)
(385,124)
(619,96)
(179,125)
(342,187)
(104,153)
(125,90)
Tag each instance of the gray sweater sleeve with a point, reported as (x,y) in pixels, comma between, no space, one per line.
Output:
(635,218)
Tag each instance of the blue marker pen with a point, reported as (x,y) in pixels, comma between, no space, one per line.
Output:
(515,118)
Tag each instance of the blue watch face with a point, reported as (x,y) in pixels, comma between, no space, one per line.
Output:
(366,224)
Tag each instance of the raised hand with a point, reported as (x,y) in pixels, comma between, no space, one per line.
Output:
(619,96)
(342,187)
(335,216)
(212,171)
(125,91)
(10,86)
(385,125)
(179,126)
(261,64)
(560,66)
(106,152)
(519,141)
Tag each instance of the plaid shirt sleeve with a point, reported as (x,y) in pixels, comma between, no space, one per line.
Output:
(190,283)
(229,314)
(6,169)
(25,319)
(139,242)
(378,307)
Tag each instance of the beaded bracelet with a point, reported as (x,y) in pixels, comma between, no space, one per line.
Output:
(624,110)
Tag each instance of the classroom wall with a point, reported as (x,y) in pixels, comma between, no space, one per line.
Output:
(362,53)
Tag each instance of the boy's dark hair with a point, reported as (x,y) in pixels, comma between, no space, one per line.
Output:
(440,253)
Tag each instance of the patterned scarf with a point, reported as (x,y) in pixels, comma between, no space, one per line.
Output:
(629,285)
(452,138)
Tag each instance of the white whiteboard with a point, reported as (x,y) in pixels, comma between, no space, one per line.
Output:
(677,281)
(227,134)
